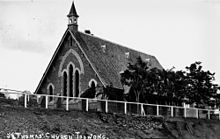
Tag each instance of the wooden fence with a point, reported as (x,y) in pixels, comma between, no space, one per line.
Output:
(111,106)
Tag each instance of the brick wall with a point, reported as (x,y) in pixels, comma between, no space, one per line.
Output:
(53,72)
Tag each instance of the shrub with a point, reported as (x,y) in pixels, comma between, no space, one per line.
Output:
(31,103)
(2,95)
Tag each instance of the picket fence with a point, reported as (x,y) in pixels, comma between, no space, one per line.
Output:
(112,106)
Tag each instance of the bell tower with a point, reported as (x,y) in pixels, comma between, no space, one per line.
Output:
(73,18)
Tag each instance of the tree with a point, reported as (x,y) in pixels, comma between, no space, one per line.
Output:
(134,76)
(167,84)
(200,87)
(180,83)
(2,95)
(193,86)
(146,82)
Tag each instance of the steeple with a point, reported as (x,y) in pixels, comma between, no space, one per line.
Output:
(72,18)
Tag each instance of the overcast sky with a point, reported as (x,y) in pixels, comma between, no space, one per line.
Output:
(177,32)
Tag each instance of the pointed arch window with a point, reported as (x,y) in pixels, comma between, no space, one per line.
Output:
(64,83)
(71,81)
(76,83)
(92,84)
(50,89)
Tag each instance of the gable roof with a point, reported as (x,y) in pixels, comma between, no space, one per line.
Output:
(106,58)
(109,59)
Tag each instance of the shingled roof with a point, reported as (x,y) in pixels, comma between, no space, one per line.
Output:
(109,59)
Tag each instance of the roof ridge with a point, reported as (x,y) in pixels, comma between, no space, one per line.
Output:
(115,43)
(111,61)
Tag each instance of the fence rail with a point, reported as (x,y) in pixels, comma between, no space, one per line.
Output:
(112,106)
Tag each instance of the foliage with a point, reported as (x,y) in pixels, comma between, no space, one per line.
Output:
(200,87)
(192,86)
(89,93)
(31,103)
(134,76)
(109,92)
(2,95)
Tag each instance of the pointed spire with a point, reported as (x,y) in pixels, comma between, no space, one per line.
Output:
(72,11)
(73,17)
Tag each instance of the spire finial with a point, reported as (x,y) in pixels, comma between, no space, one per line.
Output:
(72,11)
(73,17)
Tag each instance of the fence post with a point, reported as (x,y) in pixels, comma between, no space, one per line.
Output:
(142,110)
(46,102)
(208,114)
(197,113)
(157,110)
(171,111)
(28,97)
(87,104)
(218,115)
(67,103)
(184,112)
(25,100)
(37,99)
(125,107)
(106,106)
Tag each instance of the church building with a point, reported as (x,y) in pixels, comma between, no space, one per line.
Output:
(83,60)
